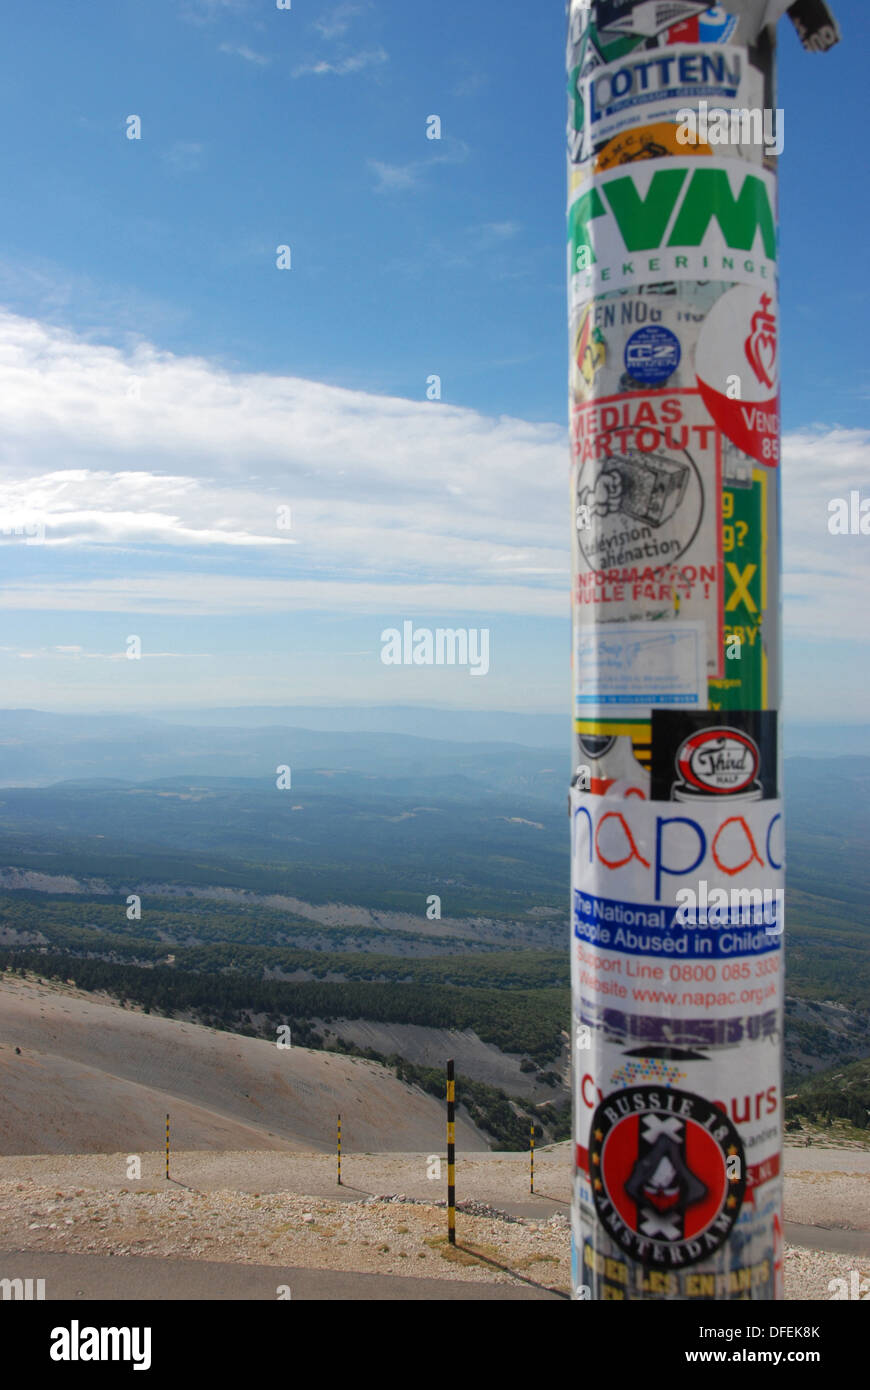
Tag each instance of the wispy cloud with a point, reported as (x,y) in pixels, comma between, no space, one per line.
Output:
(184,156)
(341,67)
(205,11)
(79,653)
(500,231)
(471,83)
(337,22)
(396,175)
(391,177)
(240,50)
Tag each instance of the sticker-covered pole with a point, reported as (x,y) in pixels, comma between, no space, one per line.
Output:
(676,818)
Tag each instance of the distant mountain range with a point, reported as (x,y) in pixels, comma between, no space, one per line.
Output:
(524,754)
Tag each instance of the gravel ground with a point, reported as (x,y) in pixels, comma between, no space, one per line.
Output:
(374,1234)
(263,1208)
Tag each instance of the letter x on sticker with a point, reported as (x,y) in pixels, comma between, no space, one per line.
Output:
(741,592)
(654,1126)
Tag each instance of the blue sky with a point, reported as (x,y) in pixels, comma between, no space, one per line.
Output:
(164,388)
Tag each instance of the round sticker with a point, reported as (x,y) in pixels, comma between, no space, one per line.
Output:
(654,500)
(652,354)
(716,25)
(668,1174)
(719,761)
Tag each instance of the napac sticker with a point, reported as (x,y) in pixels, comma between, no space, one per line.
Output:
(668,1174)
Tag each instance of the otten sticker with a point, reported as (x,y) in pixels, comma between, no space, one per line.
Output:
(717,762)
(668,1174)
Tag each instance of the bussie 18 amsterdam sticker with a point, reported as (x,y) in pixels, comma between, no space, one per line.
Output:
(668,1174)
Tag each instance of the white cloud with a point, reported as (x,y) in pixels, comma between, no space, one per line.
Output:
(80,654)
(397,505)
(184,156)
(204,11)
(337,22)
(341,67)
(212,595)
(825,577)
(240,50)
(197,459)
(394,176)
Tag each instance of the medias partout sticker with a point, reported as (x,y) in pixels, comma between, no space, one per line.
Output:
(737,366)
(668,1174)
(648,534)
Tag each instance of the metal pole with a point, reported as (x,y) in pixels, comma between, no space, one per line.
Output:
(677,985)
(451,1155)
(339,1151)
(531,1158)
(167,1148)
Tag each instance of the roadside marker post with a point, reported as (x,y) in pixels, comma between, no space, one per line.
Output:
(451,1155)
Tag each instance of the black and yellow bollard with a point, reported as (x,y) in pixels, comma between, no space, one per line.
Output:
(531,1158)
(167,1148)
(339,1151)
(451,1155)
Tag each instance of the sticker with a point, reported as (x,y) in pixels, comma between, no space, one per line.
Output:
(816,26)
(644,17)
(652,354)
(638,731)
(708,757)
(655,141)
(678,309)
(669,1174)
(607,765)
(590,354)
(745,1092)
(610,1277)
(648,541)
(715,25)
(589,49)
(751,625)
(648,855)
(737,364)
(640,665)
(654,85)
(717,762)
(689,220)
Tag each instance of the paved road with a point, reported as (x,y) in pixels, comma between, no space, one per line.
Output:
(133,1277)
(828,1238)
